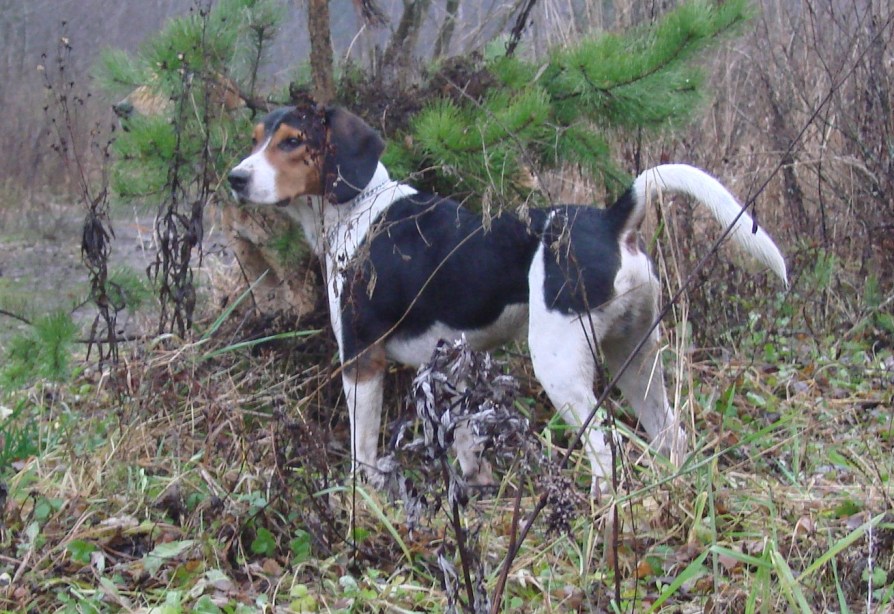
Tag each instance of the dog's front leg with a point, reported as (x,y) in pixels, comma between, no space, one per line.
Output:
(363,380)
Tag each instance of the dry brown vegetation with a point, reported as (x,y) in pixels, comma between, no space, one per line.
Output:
(210,474)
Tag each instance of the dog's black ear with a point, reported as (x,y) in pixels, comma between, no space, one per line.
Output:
(352,154)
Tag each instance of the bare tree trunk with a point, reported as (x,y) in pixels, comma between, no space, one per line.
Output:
(521,23)
(779,136)
(442,44)
(403,41)
(320,51)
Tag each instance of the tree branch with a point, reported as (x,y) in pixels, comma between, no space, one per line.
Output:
(15,316)
(321,61)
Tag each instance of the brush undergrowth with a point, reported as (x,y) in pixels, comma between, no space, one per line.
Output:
(211,475)
(214,477)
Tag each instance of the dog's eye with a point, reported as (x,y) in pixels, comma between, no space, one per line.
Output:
(290,143)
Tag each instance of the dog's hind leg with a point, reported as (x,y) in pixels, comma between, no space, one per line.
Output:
(642,382)
(563,355)
(563,352)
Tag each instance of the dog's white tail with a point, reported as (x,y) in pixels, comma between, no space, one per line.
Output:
(703,187)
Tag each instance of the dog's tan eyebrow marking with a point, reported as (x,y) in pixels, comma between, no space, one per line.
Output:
(284,132)
(257,135)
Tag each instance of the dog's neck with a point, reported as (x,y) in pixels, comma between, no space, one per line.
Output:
(378,183)
(345,226)
(308,212)
(355,216)
(315,213)
(326,224)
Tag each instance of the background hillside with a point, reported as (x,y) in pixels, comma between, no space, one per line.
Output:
(208,471)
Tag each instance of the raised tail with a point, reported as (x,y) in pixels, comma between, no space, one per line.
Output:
(685,179)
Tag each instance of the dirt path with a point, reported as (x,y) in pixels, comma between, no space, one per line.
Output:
(41,268)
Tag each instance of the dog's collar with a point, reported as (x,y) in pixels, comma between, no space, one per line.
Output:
(380,182)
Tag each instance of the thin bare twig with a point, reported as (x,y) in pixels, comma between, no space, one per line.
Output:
(14,316)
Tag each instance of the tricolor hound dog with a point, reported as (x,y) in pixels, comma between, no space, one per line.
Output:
(405,269)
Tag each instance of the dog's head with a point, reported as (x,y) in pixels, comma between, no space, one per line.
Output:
(318,152)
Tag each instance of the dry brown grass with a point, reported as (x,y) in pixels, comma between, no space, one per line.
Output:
(196,473)
(201,473)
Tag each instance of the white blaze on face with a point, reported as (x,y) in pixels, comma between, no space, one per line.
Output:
(261,187)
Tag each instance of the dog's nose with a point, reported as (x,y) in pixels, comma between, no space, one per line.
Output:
(238,180)
(123,109)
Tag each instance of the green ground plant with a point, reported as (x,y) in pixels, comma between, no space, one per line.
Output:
(208,472)
(44,352)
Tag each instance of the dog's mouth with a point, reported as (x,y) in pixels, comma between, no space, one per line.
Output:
(242,200)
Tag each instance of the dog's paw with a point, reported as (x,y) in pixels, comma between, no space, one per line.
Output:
(368,475)
(374,477)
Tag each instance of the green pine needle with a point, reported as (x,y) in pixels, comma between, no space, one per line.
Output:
(542,115)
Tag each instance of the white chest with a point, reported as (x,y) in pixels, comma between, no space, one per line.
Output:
(308,212)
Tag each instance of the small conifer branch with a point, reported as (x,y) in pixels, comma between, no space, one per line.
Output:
(650,67)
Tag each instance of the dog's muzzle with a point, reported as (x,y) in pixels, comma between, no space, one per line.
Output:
(123,109)
(239,184)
